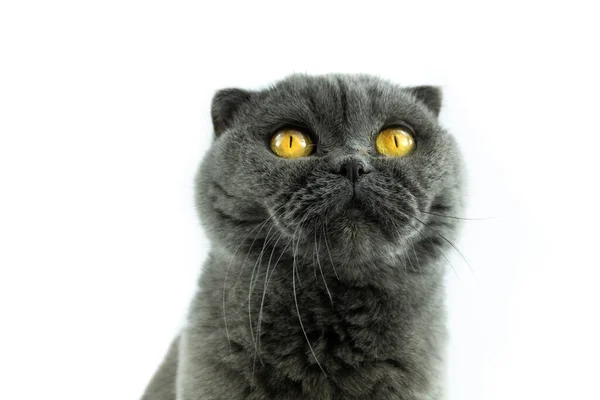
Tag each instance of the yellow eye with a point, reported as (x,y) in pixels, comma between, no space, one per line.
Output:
(395,142)
(290,143)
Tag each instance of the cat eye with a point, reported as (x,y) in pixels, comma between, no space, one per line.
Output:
(291,143)
(395,142)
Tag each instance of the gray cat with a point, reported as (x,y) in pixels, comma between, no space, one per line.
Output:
(329,202)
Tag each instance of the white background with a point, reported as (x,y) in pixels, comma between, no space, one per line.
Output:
(104,117)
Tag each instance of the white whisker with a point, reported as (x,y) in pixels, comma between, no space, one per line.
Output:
(261,225)
(298,308)
(251,290)
(266,285)
(328,251)
(321,269)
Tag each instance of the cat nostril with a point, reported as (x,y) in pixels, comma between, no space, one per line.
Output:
(353,170)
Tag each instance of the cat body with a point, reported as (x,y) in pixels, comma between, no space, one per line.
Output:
(325,276)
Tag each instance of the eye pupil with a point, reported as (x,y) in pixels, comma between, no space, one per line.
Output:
(394,142)
(290,143)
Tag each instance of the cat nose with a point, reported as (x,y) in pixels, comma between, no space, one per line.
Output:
(353,170)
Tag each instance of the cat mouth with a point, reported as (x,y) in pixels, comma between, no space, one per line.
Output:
(360,209)
(354,208)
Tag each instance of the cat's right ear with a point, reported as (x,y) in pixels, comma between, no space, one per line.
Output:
(225,105)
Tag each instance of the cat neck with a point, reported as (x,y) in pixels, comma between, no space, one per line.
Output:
(292,287)
(290,308)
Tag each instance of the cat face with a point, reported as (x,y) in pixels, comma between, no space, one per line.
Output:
(343,194)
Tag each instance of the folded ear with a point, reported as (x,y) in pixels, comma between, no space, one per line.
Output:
(225,104)
(430,96)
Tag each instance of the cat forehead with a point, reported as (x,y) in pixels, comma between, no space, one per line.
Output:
(336,91)
(332,102)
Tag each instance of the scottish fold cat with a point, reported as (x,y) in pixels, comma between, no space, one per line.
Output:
(329,202)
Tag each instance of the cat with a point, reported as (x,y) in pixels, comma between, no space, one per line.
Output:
(325,276)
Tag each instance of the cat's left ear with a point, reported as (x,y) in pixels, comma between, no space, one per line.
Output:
(226,103)
(430,96)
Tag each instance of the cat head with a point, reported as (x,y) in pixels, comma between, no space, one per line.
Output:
(303,165)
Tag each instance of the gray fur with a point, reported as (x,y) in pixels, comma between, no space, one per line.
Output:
(366,277)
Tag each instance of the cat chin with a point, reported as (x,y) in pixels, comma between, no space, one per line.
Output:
(360,242)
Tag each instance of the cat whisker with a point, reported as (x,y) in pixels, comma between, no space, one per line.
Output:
(255,340)
(321,269)
(409,258)
(313,263)
(225,281)
(450,243)
(460,218)
(252,245)
(417,259)
(328,251)
(406,256)
(446,258)
(259,259)
(266,285)
(261,225)
(397,227)
(294,271)
(441,251)
(251,290)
